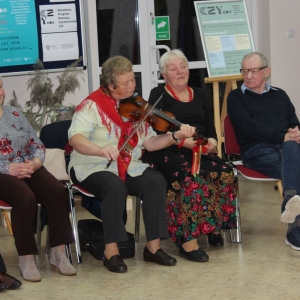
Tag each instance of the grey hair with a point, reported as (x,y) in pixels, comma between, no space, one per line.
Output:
(113,67)
(168,56)
(263,59)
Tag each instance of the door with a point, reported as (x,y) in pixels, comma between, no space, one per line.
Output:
(128,28)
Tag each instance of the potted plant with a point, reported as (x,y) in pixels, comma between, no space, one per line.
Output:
(45,104)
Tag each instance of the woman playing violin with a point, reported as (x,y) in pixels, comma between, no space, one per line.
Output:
(201,204)
(99,135)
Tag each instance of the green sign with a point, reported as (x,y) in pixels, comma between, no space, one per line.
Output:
(162,28)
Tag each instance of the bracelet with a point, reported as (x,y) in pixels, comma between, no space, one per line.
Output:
(181,143)
(173,136)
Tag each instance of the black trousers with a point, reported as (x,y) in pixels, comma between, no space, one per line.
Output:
(112,193)
(2,265)
(24,195)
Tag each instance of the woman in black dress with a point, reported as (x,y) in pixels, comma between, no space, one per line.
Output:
(201,204)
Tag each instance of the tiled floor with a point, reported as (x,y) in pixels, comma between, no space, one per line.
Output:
(262,267)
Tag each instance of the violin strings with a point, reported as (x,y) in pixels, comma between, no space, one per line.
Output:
(168,118)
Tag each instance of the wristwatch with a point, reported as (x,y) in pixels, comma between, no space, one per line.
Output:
(174,138)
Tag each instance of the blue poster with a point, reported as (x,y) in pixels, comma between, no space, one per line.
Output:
(18,33)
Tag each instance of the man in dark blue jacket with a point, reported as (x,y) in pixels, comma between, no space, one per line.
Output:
(267,130)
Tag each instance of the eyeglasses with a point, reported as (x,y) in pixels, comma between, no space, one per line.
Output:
(253,70)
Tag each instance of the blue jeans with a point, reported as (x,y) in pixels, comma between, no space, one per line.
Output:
(276,161)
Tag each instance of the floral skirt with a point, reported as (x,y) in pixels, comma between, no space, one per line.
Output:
(196,205)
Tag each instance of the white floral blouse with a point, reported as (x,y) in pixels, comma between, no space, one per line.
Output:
(88,123)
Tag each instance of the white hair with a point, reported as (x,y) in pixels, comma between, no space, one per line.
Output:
(167,56)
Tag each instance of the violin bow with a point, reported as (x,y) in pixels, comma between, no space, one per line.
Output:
(137,126)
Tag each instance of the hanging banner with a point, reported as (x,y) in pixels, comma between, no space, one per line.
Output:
(226,35)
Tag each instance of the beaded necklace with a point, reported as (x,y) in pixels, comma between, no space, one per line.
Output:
(176,97)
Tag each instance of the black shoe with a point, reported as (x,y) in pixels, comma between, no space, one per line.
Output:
(3,286)
(11,282)
(215,240)
(195,255)
(160,257)
(115,264)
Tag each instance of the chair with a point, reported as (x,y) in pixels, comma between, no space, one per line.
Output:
(4,207)
(232,148)
(76,188)
(55,135)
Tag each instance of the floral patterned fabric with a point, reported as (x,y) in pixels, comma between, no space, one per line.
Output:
(196,205)
(18,140)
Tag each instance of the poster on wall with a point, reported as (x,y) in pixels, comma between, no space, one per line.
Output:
(17,47)
(226,35)
(59,32)
(49,30)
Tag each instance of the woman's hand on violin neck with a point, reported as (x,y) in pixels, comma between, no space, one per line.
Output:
(166,140)
(184,132)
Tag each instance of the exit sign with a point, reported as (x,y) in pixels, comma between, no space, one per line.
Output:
(162,28)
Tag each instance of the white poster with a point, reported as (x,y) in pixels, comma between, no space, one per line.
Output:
(58,18)
(60,46)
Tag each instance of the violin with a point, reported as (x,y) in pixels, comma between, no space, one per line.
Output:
(136,108)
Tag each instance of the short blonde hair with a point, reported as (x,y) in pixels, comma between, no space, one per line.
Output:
(113,67)
(168,56)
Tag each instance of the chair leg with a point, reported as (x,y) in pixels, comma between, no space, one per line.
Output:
(232,236)
(7,221)
(38,229)
(280,188)
(238,220)
(137,218)
(74,223)
(238,238)
(48,241)
(69,253)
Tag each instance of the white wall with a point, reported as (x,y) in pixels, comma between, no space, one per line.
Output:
(274,17)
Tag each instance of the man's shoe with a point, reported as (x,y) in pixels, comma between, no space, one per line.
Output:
(3,286)
(292,210)
(215,240)
(115,264)
(195,255)
(160,257)
(293,238)
(11,282)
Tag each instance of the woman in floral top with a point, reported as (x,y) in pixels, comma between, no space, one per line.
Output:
(200,204)
(24,183)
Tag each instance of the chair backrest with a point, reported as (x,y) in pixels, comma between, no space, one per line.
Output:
(55,135)
(230,143)
(55,138)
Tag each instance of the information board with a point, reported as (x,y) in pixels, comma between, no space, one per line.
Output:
(226,35)
(49,30)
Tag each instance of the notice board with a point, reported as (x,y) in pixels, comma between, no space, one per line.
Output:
(49,30)
(226,35)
